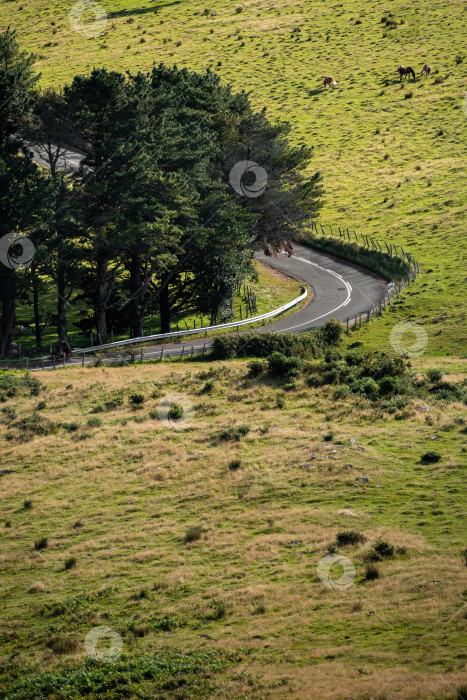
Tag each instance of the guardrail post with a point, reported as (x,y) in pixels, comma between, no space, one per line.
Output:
(183,350)
(204,348)
(42,362)
(54,359)
(191,351)
(82,361)
(162,351)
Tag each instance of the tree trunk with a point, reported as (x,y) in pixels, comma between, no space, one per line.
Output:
(137,319)
(8,308)
(37,319)
(164,308)
(61,305)
(101,305)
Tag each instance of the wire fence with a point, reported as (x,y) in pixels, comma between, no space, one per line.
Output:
(394,289)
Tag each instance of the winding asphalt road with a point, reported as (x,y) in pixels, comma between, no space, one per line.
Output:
(340,289)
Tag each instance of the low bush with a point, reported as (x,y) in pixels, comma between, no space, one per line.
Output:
(62,644)
(235,464)
(434,375)
(351,537)
(302,345)
(136,399)
(234,432)
(70,563)
(279,365)
(193,534)
(41,543)
(431,457)
(371,572)
(255,368)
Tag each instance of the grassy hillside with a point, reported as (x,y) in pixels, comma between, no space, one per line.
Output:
(393,155)
(210,538)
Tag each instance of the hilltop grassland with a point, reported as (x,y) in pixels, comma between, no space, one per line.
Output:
(392,154)
(201,546)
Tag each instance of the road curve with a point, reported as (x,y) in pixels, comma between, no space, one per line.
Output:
(340,289)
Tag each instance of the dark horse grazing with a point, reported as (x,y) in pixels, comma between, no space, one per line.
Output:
(404,72)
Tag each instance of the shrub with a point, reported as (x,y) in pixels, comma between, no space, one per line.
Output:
(431,457)
(70,563)
(264,344)
(218,610)
(280,401)
(62,644)
(70,427)
(351,537)
(234,432)
(136,399)
(113,402)
(193,534)
(434,375)
(331,332)
(371,572)
(329,437)
(235,464)
(314,380)
(341,392)
(94,422)
(176,412)
(27,504)
(208,387)
(255,368)
(32,425)
(280,365)
(41,543)
(384,549)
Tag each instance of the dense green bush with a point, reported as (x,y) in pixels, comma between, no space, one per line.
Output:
(391,268)
(264,344)
(281,366)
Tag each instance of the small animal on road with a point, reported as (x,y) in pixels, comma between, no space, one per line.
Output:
(426,70)
(404,72)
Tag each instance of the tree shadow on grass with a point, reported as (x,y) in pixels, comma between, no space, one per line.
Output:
(143,10)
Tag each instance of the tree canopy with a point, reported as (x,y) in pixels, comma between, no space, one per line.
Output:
(180,182)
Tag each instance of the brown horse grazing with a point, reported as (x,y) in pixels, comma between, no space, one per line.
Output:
(329,82)
(426,70)
(404,72)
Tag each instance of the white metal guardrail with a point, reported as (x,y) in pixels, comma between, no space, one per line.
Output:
(193,331)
